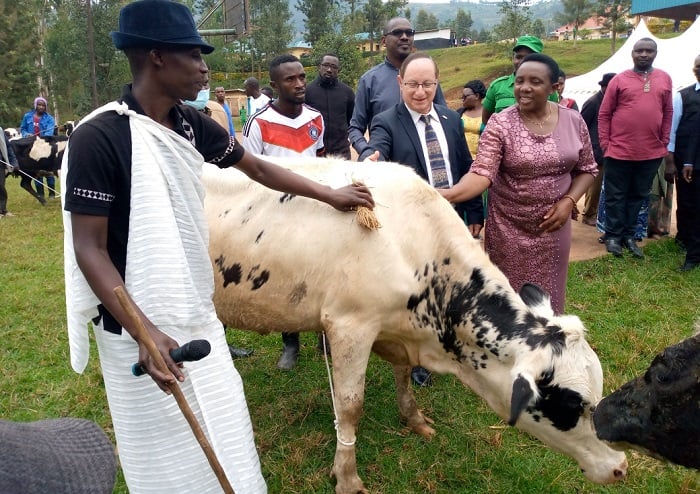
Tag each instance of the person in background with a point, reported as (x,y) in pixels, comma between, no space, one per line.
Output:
(134,218)
(267,91)
(634,124)
(500,94)
(567,102)
(302,136)
(9,165)
(377,90)
(335,101)
(473,95)
(220,94)
(256,99)
(589,112)
(38,122)
(210,108)
(690,165)
(537,159)
(429,138)
(686,115)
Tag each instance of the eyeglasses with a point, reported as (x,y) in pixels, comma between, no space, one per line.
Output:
(465,96)
(400,32)
(331,66)
(427,85)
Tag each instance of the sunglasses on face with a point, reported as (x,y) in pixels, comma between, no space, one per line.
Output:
(465,96)
(400,32)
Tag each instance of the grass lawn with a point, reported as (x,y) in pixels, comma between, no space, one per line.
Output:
(632,308)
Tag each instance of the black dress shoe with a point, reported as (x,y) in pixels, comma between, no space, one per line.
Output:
(421,376)
(613,246)
(688,266)
(239,352)
(631,244)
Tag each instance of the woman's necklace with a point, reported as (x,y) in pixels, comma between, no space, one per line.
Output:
(539,123)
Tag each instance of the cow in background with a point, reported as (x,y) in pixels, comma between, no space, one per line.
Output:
(417,291)
(658,413)
(37,157)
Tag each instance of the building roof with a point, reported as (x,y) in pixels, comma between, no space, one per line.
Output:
(667,9)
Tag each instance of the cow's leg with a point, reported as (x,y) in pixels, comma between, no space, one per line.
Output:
(26,184)
(350,356)
(408,408)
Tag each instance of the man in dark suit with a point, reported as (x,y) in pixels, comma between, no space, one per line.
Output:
(429,138)
(398,134)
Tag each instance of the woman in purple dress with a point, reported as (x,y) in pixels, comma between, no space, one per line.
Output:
(536,158)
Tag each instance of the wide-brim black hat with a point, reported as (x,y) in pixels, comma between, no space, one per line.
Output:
(157,23)
(58,456)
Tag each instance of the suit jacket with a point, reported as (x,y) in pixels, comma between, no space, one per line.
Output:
(395,136)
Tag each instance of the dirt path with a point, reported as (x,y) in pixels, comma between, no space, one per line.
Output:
(584,242)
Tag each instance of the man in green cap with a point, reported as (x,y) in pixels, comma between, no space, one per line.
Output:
(500,93)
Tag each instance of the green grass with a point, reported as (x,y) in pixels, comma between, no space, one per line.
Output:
(632,309)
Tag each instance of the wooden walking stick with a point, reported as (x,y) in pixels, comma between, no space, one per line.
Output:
(146,339)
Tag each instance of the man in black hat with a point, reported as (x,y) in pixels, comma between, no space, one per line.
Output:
(134,218)
(589,112)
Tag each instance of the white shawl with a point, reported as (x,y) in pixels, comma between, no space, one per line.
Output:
(168,272)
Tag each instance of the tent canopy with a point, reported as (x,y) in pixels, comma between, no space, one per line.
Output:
(675,56)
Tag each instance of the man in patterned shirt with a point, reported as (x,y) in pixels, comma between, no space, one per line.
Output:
(134,218)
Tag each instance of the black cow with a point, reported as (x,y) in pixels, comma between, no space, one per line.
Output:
(38,157)
(658,413)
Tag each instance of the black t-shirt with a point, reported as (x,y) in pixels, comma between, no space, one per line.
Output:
(99,177)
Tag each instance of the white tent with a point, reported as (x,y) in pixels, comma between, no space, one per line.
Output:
(675,56)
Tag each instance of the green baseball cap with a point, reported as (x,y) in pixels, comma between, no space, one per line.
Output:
(530,42)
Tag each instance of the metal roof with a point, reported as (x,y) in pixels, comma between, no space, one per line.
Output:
(667,9)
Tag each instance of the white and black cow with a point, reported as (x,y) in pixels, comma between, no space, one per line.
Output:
(658,413)
(37,157)
(417,291)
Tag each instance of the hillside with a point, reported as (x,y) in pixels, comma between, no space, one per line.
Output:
(484,13)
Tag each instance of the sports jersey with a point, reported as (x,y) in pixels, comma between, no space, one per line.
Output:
(270,133)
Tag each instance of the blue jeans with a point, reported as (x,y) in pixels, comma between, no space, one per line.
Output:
(50,183)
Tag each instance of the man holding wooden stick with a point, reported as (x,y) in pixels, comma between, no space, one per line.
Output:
(134,218)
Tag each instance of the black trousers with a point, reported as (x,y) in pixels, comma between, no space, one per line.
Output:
(691,233)
(627,184)
(685,204)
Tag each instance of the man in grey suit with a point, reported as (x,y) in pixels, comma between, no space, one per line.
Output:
(429,138)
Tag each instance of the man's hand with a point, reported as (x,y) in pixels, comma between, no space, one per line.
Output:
(164,344)
(687,173)
(670,171)
(350,197)
(372,157)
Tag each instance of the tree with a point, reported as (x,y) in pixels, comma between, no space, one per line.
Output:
(613,15)
(425,21)
(515,19)
(462,24)
(318,18)
(271,31)
(575,12)
(18,72)
(539,30)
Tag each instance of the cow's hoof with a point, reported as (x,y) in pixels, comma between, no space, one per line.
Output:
(288,359)
(41,200)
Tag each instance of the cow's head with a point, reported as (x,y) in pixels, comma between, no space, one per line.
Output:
(555,387)
(658,413)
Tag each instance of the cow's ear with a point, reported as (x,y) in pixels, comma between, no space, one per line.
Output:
(519,399)
(537,299)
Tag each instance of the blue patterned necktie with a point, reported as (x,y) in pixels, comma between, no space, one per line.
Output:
(437,162)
